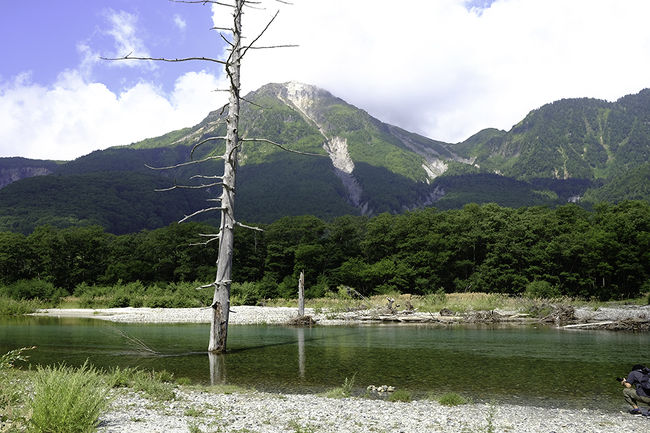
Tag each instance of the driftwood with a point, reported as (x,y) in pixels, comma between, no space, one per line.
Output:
(561,315)
(302,321)
(614,325)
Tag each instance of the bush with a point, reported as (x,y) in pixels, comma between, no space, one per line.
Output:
(156,384)
(452,399)
(541,290)
(342,391)
(400,395)
(244,294)
(67,400)
(33,289)
(12,307)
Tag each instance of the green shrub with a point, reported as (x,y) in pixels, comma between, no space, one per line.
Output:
(12,307)
(452,399)
(121,377)
(541,290)
(33,289)
(244,294)
(119,301)
(10,358)
(67,400)
(400,395)
(154,384)
(342,391)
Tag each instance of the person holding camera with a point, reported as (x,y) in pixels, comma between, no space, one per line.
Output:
(637,387)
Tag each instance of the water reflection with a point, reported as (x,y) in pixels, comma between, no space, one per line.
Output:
(301,352)
(509,364)
(217,368)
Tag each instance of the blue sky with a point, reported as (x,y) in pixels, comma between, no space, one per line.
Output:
(442,68)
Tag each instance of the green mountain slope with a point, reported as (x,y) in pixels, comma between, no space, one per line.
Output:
(569,150)
(571,138)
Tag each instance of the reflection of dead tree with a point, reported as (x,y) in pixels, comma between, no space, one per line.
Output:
(136,343)
(233,37)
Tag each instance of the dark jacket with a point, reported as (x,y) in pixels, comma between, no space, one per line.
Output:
(636,378)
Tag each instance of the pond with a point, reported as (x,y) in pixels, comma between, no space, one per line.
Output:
(528,365)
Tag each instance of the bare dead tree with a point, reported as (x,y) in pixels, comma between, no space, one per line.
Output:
(233,37)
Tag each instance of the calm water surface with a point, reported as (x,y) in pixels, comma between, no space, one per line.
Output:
(540,366)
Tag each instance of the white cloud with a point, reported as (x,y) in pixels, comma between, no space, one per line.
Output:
(180,22)
(126,40)
(73,117)
(447,69)
(443,68)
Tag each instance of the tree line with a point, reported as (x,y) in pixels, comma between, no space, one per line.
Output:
(603,253)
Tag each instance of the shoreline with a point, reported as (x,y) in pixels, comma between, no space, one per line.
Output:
(583,318)
(195,410)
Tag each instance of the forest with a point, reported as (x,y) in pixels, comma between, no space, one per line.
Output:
(602,254)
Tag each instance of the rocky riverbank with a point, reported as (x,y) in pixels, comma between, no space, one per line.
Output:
(633,317)
(196,411)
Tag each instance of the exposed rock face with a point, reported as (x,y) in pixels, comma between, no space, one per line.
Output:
(304,97)
(10,175)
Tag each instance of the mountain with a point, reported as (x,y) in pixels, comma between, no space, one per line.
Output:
(568,139)
(14,169)
(561,152)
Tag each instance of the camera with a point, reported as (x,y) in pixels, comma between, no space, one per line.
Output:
(619,379)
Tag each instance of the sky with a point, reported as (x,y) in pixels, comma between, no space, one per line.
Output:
(442,68)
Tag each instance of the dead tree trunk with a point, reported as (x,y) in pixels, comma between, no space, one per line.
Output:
(301,294)
(221,299)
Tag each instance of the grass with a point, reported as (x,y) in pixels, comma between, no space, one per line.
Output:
(342,391)
(299,428)
(156,385)
(451,399)
(12,307)
(67,400)
(400,395)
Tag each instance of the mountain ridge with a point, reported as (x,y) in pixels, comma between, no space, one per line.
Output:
(563,151)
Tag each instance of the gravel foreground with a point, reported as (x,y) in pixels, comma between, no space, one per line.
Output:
(257,412)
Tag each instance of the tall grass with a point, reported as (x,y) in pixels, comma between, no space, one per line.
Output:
(342,391)
(155,384)
(67,400)
(13,307)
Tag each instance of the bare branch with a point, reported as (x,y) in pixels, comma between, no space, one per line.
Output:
(248,227)
(202,176)
(203,2)
(199,212)
(197,145)
(184,164)
(164,59)
(260,35)
(252,103)
(271,47)
(226,40)
(202,186)
(264,140)
(206,286)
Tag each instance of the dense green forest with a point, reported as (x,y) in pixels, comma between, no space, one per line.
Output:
(604,253)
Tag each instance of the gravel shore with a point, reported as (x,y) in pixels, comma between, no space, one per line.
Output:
(246,315)
(273,413)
